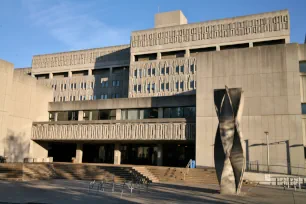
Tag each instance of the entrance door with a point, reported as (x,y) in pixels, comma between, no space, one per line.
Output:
(98,153)
(62,152)
(138,154)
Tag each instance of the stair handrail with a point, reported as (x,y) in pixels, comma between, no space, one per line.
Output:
(187,168)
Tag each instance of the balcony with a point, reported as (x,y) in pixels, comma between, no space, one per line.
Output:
(178,129)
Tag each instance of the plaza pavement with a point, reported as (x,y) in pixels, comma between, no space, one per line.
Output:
(74,191)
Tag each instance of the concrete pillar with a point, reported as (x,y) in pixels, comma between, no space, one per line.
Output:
(80,115)
(50,75)
(159,155)
(89,72)
(117,154)
(118,114)
(79,153)
(90,115)
(187,53)
(158,56)
(69,73)
(55,116)
(33,75)
(218,47)
(132,58)
(160,112)
(250,44)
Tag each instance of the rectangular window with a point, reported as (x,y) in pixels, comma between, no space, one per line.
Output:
(117,95)
(177,69)
(135,88)
(181,85)
(65,86)
(167,70)
(167,86)
(148,88)
(135,73)
(118,83)
(70,98)
(113,95)
(80,98)
(192,68)
(139,88)
(85,85)
(162,86)
(71,86)
(105,96)
(54,99)
(81,85)
(177,85)
(92,85)
(95,97)
(192,84)
(162,70)
(303,66)
(149,71)
(74,85)
(84,98)
(55,87)
(182,68)
(153,71)
(153,87)
(64,98)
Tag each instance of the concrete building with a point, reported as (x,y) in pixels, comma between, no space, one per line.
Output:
(151,102)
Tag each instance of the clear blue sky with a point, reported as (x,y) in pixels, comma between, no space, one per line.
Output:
(31,27)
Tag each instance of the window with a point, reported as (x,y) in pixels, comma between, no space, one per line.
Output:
(148,88)
(192,84)
(61,98)
(54,86)
(177,85)
(72,115)
(153,71)
(61,87)
(104,84)
(73,98)
(135,73)
(92,85)
(181,85)
(180,112)
(81,85)
(70,98)
(162,70)
(54,99)
(139,88)
(117,95)
(162,86)
(192,68)
(149,71)
(74,85)
(80,98)
(303,66)
(95,97)
(65,86)
(84,85)
(182,68)
(71,86)
(104,96)
(64,98)
(177,69)
(167,70)
(84,97)
(90,97)
(167,86)
(116,83)
(135,88)
(153,87)
(136,114)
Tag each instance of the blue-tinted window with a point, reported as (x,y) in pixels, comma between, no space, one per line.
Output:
(303,66)
(303,108)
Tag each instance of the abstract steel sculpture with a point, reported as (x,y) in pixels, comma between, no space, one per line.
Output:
(228,151)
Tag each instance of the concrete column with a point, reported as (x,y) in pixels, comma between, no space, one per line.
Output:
(118,114)
(89,72)
(117,154)
(187,53)
(55,116)
(69,73)
(50,75)
(90,115)
(250,44)
(80,115)
(218,47)
(159,155)
(79,153)
(160,112)
(158,55)
(132,59)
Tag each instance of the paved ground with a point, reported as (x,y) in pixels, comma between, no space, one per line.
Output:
(64,191)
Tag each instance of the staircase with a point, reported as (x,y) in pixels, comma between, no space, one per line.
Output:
(146,173)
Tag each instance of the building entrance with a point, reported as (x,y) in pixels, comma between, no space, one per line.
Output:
(61,152)
(98,153)
(138,154)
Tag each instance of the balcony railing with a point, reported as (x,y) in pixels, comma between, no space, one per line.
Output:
(146,129)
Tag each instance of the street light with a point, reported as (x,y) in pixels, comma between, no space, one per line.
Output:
(268,151)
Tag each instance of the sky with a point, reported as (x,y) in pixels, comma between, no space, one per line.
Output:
(32,27)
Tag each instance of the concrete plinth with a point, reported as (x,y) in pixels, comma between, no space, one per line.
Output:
(117,154)
(79,153)
(160,155)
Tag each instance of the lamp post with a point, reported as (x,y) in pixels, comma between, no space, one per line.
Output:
(268,150)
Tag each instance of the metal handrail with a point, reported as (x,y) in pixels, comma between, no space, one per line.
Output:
(187,168)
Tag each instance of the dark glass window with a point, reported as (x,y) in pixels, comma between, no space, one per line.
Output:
(192,84)
(139,88)
(167,70)
(162,70)
(167,86)
(176,85)
(181,85)
(162,87)
(149,71)
(177,70)
(153,71)
(72,115)
(182,68)
(135,88)
(303,108)
(148,88)
(303,66)
(135,73)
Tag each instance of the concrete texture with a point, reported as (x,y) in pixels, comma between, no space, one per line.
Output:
(64,191)
(171,18)
(269,76)
(23,102)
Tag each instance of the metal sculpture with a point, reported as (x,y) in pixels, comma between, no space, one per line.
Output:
(228,151)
